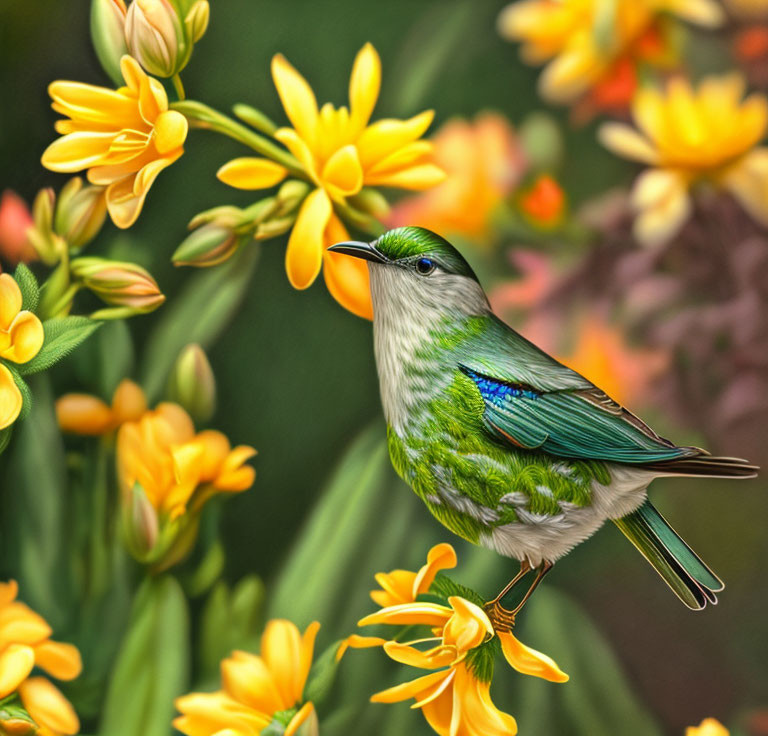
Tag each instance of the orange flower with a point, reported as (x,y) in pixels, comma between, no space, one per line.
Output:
(15,220)
(257,690)
(89,415)
(483,162)
(25,643)
(544,202)
(124,137)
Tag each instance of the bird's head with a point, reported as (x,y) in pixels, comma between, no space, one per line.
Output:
(415,268)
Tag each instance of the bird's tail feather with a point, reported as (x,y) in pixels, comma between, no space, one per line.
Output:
(708,466)
(680,567)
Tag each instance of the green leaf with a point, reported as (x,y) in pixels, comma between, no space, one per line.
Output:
(152,665)
(5,437)
(104,361)
(322,675)
(199,314)
(62,336)
(30,291)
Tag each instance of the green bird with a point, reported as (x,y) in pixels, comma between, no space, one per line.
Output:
(507,447)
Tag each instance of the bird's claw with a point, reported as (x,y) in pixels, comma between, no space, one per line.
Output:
(501,618)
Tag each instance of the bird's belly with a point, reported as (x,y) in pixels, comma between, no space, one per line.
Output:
(523,505)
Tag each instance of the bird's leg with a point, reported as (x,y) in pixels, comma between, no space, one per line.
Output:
(544,568)
(501,618)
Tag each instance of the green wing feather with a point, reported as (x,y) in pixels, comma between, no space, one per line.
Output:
(534,402)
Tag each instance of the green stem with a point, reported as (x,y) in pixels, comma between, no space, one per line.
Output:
(178,86)
(202,116)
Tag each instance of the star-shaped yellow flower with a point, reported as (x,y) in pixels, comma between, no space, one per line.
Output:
(123,137)
(340,153)
(689,135)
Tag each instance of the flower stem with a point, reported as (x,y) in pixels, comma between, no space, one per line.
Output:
(202,116)
(178,86)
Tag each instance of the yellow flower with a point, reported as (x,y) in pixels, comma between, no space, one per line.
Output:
(89,415)
(341,153)
(174,466)
(25,643)
(454,700)
(483,162)
(256,689)
(123,137)
(708,727)
(687,136)
(583,43)
(21,337)
(404,586)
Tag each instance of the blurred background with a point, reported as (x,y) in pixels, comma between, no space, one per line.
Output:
(679,333)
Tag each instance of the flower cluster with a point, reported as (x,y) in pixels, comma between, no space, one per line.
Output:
(455,698)
(257,690)
(25,643)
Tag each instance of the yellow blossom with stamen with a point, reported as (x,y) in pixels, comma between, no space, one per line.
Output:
(687,136)
(25,643)
(21,337)
(583,40)
(340,153)
(123,137)
(256,689)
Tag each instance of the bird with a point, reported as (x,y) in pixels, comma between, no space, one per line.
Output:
(507,447)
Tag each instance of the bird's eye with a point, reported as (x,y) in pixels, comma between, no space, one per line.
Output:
(425,266)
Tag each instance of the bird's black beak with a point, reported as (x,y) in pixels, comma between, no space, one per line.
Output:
(355,248)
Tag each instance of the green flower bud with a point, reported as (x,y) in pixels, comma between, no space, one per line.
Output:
(120,284)
(156,37)
(80,213)
(196,22)
(192,384)
(372,202)
(46,242)
(542,142)
(108,35)
(141,523)
(209,245)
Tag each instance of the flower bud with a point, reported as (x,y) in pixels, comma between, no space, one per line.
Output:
(15,222)
(372,202)
(49,245)
(155,37)
(541,142)
(14,720)
(80,213)
(108,35)
(141,523)
(291,194)
(120,284)
(225,216)
(192,384)
(196,22)
(209,245)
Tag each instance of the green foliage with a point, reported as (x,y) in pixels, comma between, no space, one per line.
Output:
(198,314)
(30,291)
(152,665)
(481,660)
(26,394)
(230,620)
(443,586)
(5,437)
(62,336)
(322,675)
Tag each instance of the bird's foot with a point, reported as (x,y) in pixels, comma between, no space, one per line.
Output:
(501,618)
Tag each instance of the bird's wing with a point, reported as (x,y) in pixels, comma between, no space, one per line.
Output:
(534,402)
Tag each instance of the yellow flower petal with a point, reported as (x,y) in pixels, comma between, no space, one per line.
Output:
(48,707)
(430,614)
(625,141)
(282,653)
(570,74)
(234,474)
(26,333)
(468,627)
(10,300)
(77,151)
(251,173)
(343,172)
(747,180)
(170,131)
(297,721)
(426,660)
(441,557)
(708,727)
(304,256)
(412,689)
(209,713)
(662,199)
(297,97)
(247,678)
(299,148)
(8,592)
(347,279)
(422,176)
(364,85)
(384,137)
(355,641)
(307,651)
(10,398)
(528,661)
(16,662)
(701,12)
(128,402)
(21,625)
(59,660)
(474,714)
